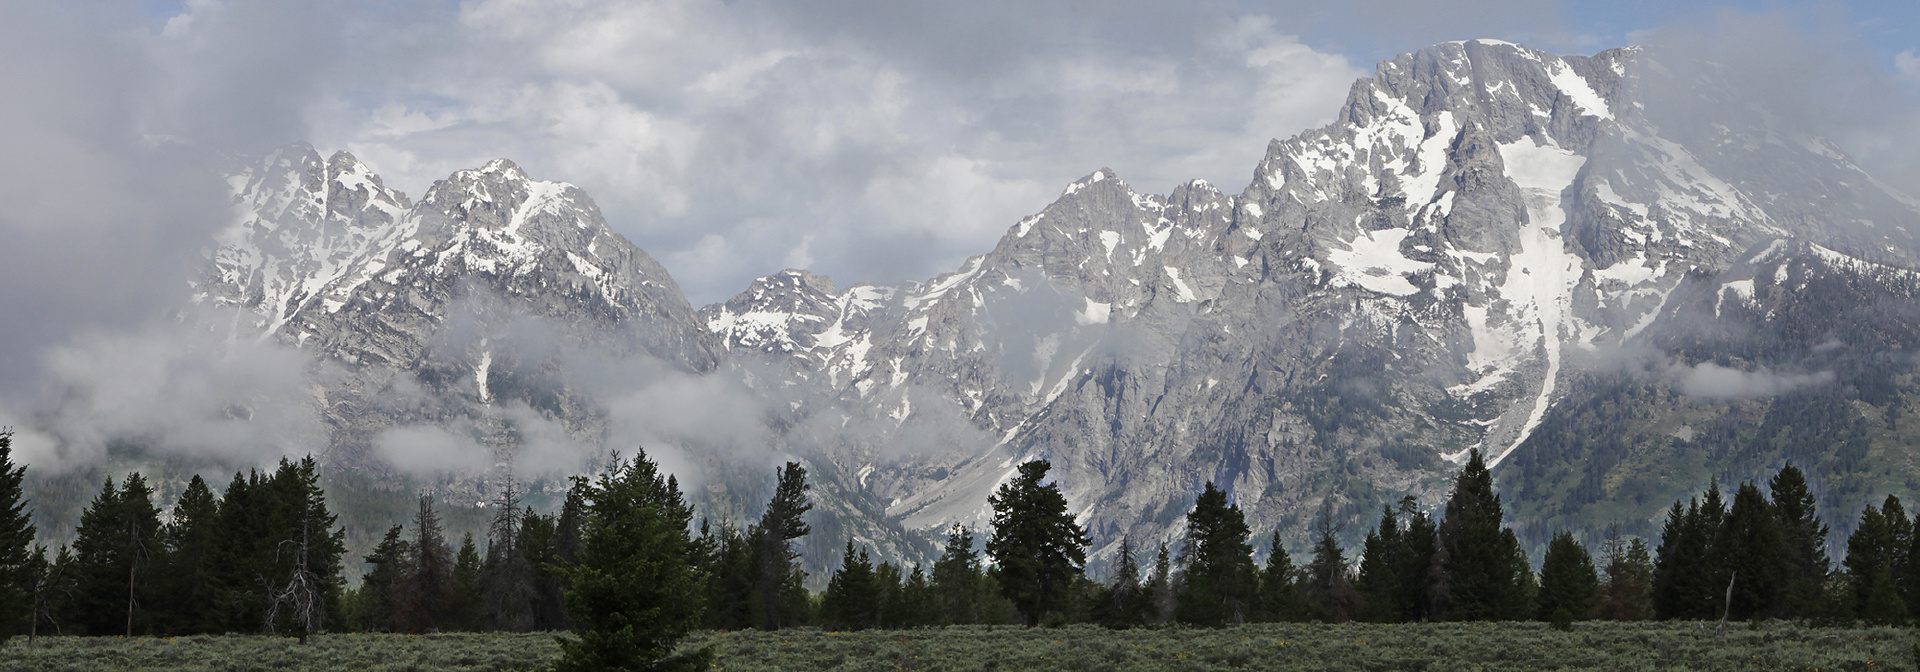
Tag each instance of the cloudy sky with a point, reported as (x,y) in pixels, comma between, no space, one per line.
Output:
(882,141)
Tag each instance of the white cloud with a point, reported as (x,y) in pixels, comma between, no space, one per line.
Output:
(722,137)
(1908,65)
(1712,380)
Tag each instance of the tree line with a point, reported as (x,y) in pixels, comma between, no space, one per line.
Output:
(624,566)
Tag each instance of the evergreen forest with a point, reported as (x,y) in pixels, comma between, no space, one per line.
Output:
(628,569)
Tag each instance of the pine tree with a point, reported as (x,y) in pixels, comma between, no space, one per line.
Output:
(732,577)
(633,591)
(779,594)
(114,551)
(1038,549)
(957,579)
(1279,596)
(18,563)
(543,538)
(463,605)
(1416,561)
(1123,602)
(1683,575)
(1869,564)
(379,598)
(507,592)
(853,594)
(307,541)
(1900,541)
(1486,573)
(1159,589)
(917,601)
(1328,589)
(1804,537)
(1749,545)
(427,587)
(888,605)
(1218,563)
(1379,580)
(186,584)
(1569,587)
(1626,585)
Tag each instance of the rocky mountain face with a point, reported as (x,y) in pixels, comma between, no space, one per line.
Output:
(1463,259)
(1483,224)
(450,313)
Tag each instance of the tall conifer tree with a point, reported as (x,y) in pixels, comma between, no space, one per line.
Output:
(1627,581)
(186,585)
(17,560)
(1379,581)
(1750,547)
(114,552)
(1569,586)
(957,579)
(1279,591)
(427,589)
(1804,537)
(1328,590)
(1486,572)
(1038,549)
(633,591)
(1219,571)
(779,596)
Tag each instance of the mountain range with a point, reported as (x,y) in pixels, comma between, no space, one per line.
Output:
(1609,273)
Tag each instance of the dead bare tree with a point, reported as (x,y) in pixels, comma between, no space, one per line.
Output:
(46,583)
(138,555)
(300,598)
(1728,607)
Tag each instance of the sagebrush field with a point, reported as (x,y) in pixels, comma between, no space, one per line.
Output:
(1435,647)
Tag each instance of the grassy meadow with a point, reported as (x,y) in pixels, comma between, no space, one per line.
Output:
(1434,647)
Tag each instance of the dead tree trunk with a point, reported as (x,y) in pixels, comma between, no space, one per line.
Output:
(1727,608)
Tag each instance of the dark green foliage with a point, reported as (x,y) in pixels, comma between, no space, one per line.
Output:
(1626,586)
(1038,548)
(426,589)
(1159,589)
(377,602)
(1568,583)
(186,585)
(115,550)
(1872,555)
(269,529)
(1485,572)
(1124,602)
(463,605)
(1378,583)
(552,544)
(779,598)
(1803,536)
(731,576)
(1218,572)
(1279,599)
(506,595)
(962,592)
(17,561)
(633,591)
(912,604)
(1749,545)
(853,597)
(1683,571)
(1417,569)
(1326,586)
